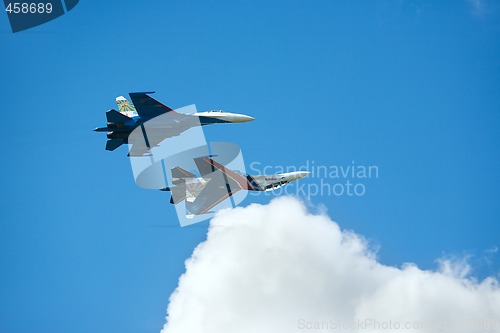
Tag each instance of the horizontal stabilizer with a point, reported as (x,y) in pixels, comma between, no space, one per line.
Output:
(114,116)
(113,144)
(178,194)
(178,172)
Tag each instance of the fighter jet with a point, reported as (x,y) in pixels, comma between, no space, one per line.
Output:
(143,109)
(218,183)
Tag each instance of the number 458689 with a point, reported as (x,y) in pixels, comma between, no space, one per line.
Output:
(29,8)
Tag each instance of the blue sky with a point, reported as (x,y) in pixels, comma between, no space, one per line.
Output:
(412,87)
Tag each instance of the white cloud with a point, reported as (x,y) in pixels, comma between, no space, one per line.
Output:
(277,268)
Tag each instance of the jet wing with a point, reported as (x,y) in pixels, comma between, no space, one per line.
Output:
(217,189)
(204,165)
(222,183)
(151,136)
(148,107)
(144,146)
(207,166)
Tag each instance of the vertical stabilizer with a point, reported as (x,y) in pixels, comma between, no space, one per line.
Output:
(125,107)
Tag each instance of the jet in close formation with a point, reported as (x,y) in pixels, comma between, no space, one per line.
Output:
(144,123)
(217,183)
(143,109)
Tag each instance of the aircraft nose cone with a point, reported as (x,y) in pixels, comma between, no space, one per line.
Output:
(296,175)
(303,174)
(242,118)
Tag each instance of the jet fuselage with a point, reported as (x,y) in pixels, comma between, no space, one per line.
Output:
(122,130)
